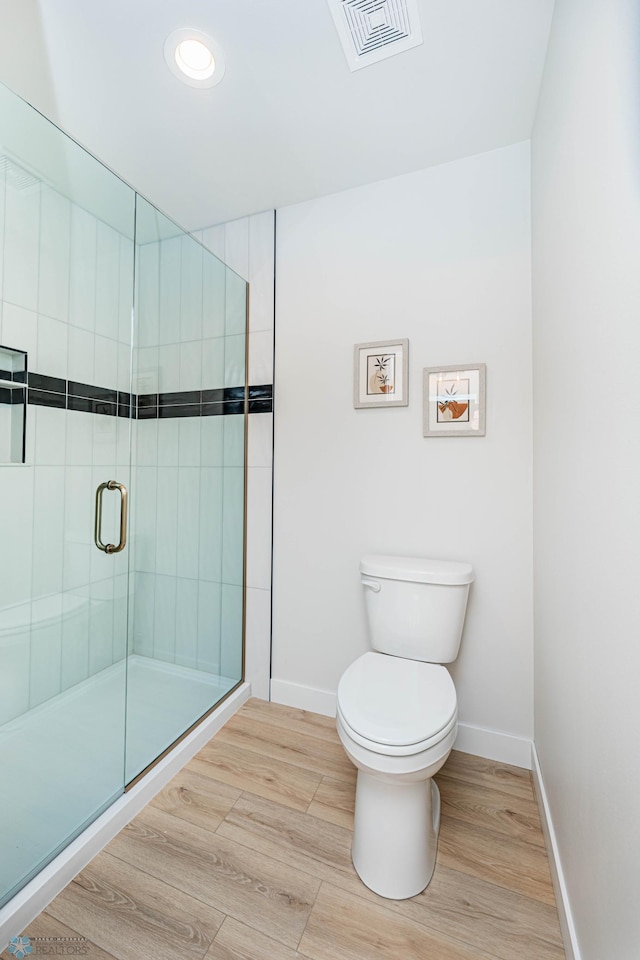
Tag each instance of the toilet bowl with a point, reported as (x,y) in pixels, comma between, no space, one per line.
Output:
(397,719)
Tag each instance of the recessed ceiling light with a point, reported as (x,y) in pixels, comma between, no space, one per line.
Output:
(194,57)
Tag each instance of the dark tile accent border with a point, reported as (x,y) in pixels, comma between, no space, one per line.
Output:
(179,410)
(229,407)
(213,396)
(261,406)
(85,397)
(51,384)
(75,389)
(44,399)
(234,393)
(186,396)
(263,392)
(86,405)
(12,395)
(15,376)
(147,413)
(223,394)
(147,402)
(213,409)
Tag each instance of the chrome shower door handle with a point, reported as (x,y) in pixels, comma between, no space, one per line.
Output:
(97,533)
(124,500)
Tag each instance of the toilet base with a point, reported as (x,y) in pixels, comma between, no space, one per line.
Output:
(395,834)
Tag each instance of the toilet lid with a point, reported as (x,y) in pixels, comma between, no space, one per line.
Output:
(394,701)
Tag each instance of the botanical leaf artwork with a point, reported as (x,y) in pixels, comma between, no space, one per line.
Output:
(381,370)
(454,401)
(451,405)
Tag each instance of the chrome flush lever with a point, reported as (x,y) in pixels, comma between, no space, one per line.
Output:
(372,584)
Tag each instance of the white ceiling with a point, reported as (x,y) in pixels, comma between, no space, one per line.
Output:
(289,121)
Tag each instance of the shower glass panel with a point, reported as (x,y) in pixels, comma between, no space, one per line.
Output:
(122,370)
(66,284)
(185,641)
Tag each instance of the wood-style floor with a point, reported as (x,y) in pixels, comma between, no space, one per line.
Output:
(245,855)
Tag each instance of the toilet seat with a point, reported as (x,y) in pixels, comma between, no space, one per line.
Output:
(383,749)
(396,707)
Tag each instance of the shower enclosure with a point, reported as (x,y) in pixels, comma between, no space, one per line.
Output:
(122,387)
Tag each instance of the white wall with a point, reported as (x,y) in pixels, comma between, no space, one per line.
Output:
(442,257)
(586,258)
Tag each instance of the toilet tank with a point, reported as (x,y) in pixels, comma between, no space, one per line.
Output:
(415,606)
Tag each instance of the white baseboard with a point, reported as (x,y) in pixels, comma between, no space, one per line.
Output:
(494,745)
(305,698)
(476,740)
(36,895)
(567,926)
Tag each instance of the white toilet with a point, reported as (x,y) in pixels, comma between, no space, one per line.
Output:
(397,716)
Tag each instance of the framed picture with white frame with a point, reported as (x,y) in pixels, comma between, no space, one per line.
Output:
(381,374)
(454,401)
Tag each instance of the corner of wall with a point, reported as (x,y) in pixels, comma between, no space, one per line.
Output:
(567,926)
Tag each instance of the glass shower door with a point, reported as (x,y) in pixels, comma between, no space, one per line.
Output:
(187,562)
(122,371)
(66,289)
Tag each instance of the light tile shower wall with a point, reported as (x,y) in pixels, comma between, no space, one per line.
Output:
(178,590)
(65,298)
(182,584)
(189,486)
(247,246)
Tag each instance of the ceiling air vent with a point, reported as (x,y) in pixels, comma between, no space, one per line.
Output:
(372,30)
(16,176)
